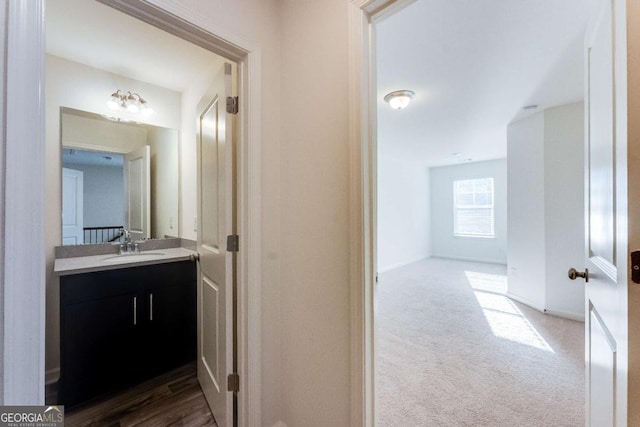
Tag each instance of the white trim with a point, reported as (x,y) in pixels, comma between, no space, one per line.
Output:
(3,24)
(402,264)
(471,259)
(579,317)
(362,203)
(558,313)
(24,255)
(526,302)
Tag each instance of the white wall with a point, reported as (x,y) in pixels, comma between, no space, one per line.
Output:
(403,213)
(165,180)
(86,132)
(103,194)
(546,211)
(525,230)
(443,243)
(564,206)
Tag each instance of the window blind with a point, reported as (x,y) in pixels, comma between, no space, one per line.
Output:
(473,214)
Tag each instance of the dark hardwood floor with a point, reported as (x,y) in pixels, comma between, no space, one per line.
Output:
(172,399)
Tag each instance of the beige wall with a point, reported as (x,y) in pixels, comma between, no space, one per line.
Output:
(315,208)
(304,177)
(258,23)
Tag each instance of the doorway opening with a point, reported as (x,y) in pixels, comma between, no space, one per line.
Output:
(176,93)
(478,215)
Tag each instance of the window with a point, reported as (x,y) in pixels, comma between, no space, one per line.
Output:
(473,208)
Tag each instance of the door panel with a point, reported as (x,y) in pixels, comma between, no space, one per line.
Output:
(210,152)
(137,183)
(72,207)
(210,336)
(602,371)
(605,235)
(601,242)
(216,206)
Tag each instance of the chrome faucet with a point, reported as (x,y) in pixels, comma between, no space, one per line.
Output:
(128,247)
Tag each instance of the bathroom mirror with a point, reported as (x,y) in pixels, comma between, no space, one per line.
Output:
(117,175)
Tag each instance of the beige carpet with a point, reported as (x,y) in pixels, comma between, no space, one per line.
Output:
(452,350)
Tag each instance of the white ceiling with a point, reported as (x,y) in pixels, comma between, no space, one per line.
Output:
(91,33)
(474,65)
(91,158)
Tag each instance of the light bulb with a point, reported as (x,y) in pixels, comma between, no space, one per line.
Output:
(113,105)
(399,98)
(116,100)
(399,102)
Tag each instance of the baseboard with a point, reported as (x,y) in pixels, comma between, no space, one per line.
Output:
(483,260)
(402,264)
(526,302)
(51,376)
(280,424)
(579,317)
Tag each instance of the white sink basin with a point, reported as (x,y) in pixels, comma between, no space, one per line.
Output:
(142,256)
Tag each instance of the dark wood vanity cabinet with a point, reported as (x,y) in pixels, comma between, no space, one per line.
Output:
(121,327)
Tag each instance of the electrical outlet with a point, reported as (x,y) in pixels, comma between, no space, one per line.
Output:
(195,223)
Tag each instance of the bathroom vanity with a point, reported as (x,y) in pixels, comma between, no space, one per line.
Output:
(123,320)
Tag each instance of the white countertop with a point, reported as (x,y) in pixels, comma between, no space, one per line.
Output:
(87,264)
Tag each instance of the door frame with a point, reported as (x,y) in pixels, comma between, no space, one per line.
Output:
(188,24)
(363,17)
(23,333)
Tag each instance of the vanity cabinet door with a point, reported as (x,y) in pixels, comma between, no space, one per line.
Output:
(100,346)
(171,332)
(124,326)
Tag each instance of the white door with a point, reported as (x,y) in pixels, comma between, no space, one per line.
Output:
(72,207)
(216,222)
(606,311)
(137,192)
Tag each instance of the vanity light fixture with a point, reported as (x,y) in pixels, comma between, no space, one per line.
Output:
(130,102)
(399,99)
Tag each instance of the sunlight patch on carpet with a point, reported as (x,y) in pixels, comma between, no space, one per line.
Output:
(487,282)
(504,318)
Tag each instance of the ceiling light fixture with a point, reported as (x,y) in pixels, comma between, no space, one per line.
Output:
(130,102)
(399,98)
